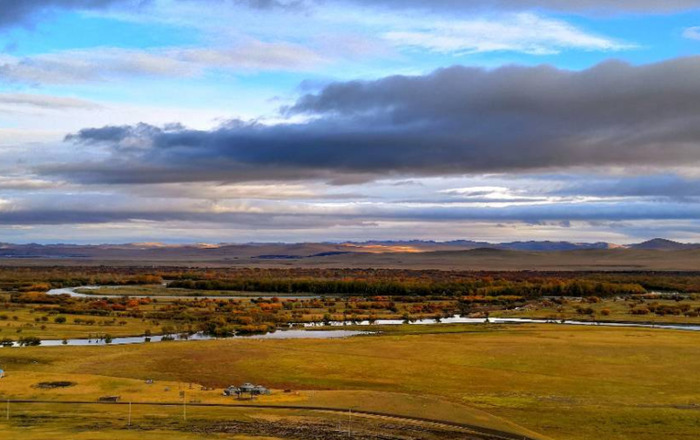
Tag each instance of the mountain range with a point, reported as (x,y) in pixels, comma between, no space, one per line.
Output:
(272,251)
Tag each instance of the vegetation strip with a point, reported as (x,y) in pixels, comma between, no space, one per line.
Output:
(496,434)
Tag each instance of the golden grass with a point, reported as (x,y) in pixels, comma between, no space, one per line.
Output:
(28,326)
(619,311)
(564,382)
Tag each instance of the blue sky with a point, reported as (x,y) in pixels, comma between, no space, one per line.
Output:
(201,92)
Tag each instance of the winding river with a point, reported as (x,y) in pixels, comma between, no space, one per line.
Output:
(72,291)
(280,334)
(321,334)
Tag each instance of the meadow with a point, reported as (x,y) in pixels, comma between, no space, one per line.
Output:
(549,381)
(557,381)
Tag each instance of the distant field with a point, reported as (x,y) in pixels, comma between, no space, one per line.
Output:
(476,259)
(604,310)
(562,382)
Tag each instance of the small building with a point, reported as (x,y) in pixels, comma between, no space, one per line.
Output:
(109,398)
(231,391)
(260,390)
(247,388)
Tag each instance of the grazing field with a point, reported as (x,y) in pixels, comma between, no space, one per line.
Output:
(18,322)
(314,257)
(641,310)
(561,382)
(537,381)
(156,421)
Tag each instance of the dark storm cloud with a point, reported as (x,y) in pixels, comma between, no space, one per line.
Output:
(454,121)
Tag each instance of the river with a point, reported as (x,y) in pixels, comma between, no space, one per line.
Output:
(328,334)
(71,291)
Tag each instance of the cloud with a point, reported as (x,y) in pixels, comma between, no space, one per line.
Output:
(524,32)
(692,33)
(274,4)
(25,183)
(46,102)
(454,121)
(654,6)
(25,11)
(350,214)
(103,64)
(666,186)
(22,12)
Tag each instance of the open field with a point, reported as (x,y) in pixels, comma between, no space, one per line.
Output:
(473,259)
(615,310)
(539,381)
(561,382)
(27,322)
(160,421)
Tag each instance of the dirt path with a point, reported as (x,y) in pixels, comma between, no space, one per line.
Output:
(437,428)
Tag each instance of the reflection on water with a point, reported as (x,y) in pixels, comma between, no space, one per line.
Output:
(283,334)
(462,320)
(71,291)
(329,334)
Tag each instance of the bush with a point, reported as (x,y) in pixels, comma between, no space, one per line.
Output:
(29,341)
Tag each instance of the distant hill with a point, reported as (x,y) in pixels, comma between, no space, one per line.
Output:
(656,254)
(553,246)
(662,244)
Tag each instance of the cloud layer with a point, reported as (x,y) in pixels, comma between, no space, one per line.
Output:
(24,11)
(453,121)
(522,32)
(102,64)
(559,5)
(20,12)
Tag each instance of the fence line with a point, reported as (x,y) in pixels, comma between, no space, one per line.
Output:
(495,433)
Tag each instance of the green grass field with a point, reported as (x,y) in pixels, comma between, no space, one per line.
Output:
(559,381)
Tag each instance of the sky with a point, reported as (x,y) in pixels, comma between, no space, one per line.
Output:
(185,121)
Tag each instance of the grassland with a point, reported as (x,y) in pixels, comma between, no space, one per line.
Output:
(95,422)
(562,382)
(22,322)
(475,259)
(611,309)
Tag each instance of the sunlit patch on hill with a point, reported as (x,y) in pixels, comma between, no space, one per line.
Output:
(384,249)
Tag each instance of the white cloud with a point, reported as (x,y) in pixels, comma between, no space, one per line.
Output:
(107,63)
(692,33)
(44,101)
(25,183)
(524,32)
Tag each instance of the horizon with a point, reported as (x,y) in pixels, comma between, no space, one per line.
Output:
(337,242)
(293,121)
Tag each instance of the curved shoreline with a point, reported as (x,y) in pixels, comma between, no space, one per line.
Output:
(131,340)
(72,291)
(456,319)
